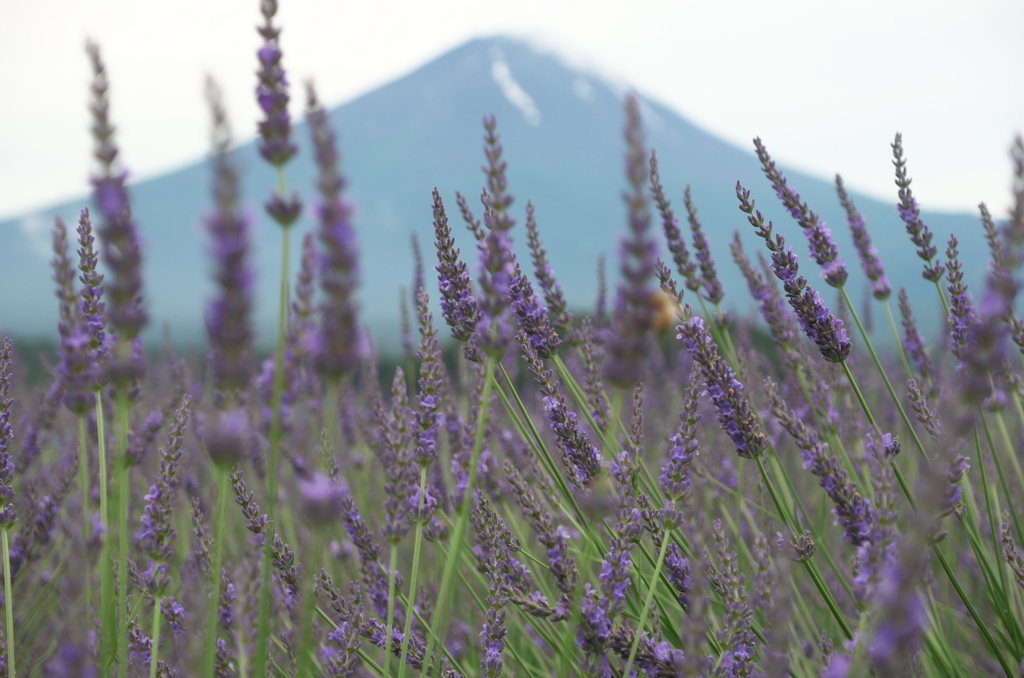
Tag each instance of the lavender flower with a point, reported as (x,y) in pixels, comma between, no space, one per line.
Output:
(428,418)
(900,613)
(578,454)
(320,499)
(675,473)
(492,334)
(731,407)
(532,316)
(472,223)
(780,322)
(686,267)
(634,302)
(118,236)
(713,290)
(301,323)
(399,475)
(818,323)
(914,344)
(8,514)
(822,246)
(554,538)
(496,568)
(910,213)
(460,309)
(868,253)
(272,93)
(961,308)
(592,354)
(852,511)
(227,316)
(92,307)
(64,277)
(553,295)
(156,536)
(736,638)
(339,346)
(77,369)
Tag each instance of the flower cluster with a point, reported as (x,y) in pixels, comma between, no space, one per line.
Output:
(817,321)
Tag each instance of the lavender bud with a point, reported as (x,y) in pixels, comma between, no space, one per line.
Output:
(868,253)
(910,213)
(225,437)
(320,499)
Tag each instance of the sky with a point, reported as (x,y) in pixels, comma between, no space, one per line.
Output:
(826,85)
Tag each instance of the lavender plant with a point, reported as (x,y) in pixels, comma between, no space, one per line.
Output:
(492,520)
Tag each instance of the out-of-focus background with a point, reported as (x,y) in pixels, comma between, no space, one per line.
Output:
(825,86)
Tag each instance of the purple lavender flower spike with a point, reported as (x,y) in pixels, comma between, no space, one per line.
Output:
(685,266)
(675,473)
(852,511)
(731,407)
(458,305)
(320,499)
(8,514)
(868,253)
(418,279)
(713,290)
(910,213)
(492,334)
(962,317)
(227,316)
(472,223)
(340,346)
(428,418)
(780,322)
(118,235)
(64,277)
(553,295)
(635,308)
(900,613)
(914,344)
(579,455)
(92,307)
(272,93)
(301,321)
(817,321)
(77,370)
(532,316)
(822,246)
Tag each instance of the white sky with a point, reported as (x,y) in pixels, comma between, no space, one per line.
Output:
(826,84)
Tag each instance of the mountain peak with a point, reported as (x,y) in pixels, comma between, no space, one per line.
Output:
(561,129)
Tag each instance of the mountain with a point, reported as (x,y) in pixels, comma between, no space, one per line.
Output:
(562,134)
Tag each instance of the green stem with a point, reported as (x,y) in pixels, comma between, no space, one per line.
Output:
(108,610)
(83,487)
(826,594)
(8,603)
(412,578)
(881,372)
(982,625)
(263,628)
(440,619)
(899,344)
(874,424)
(942,559)
(218,556)
(330,420)
(647,604)
(308,606)
(392,564)
(122,533)
(156,638)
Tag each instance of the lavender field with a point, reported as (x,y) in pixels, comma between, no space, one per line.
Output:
(648,486)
